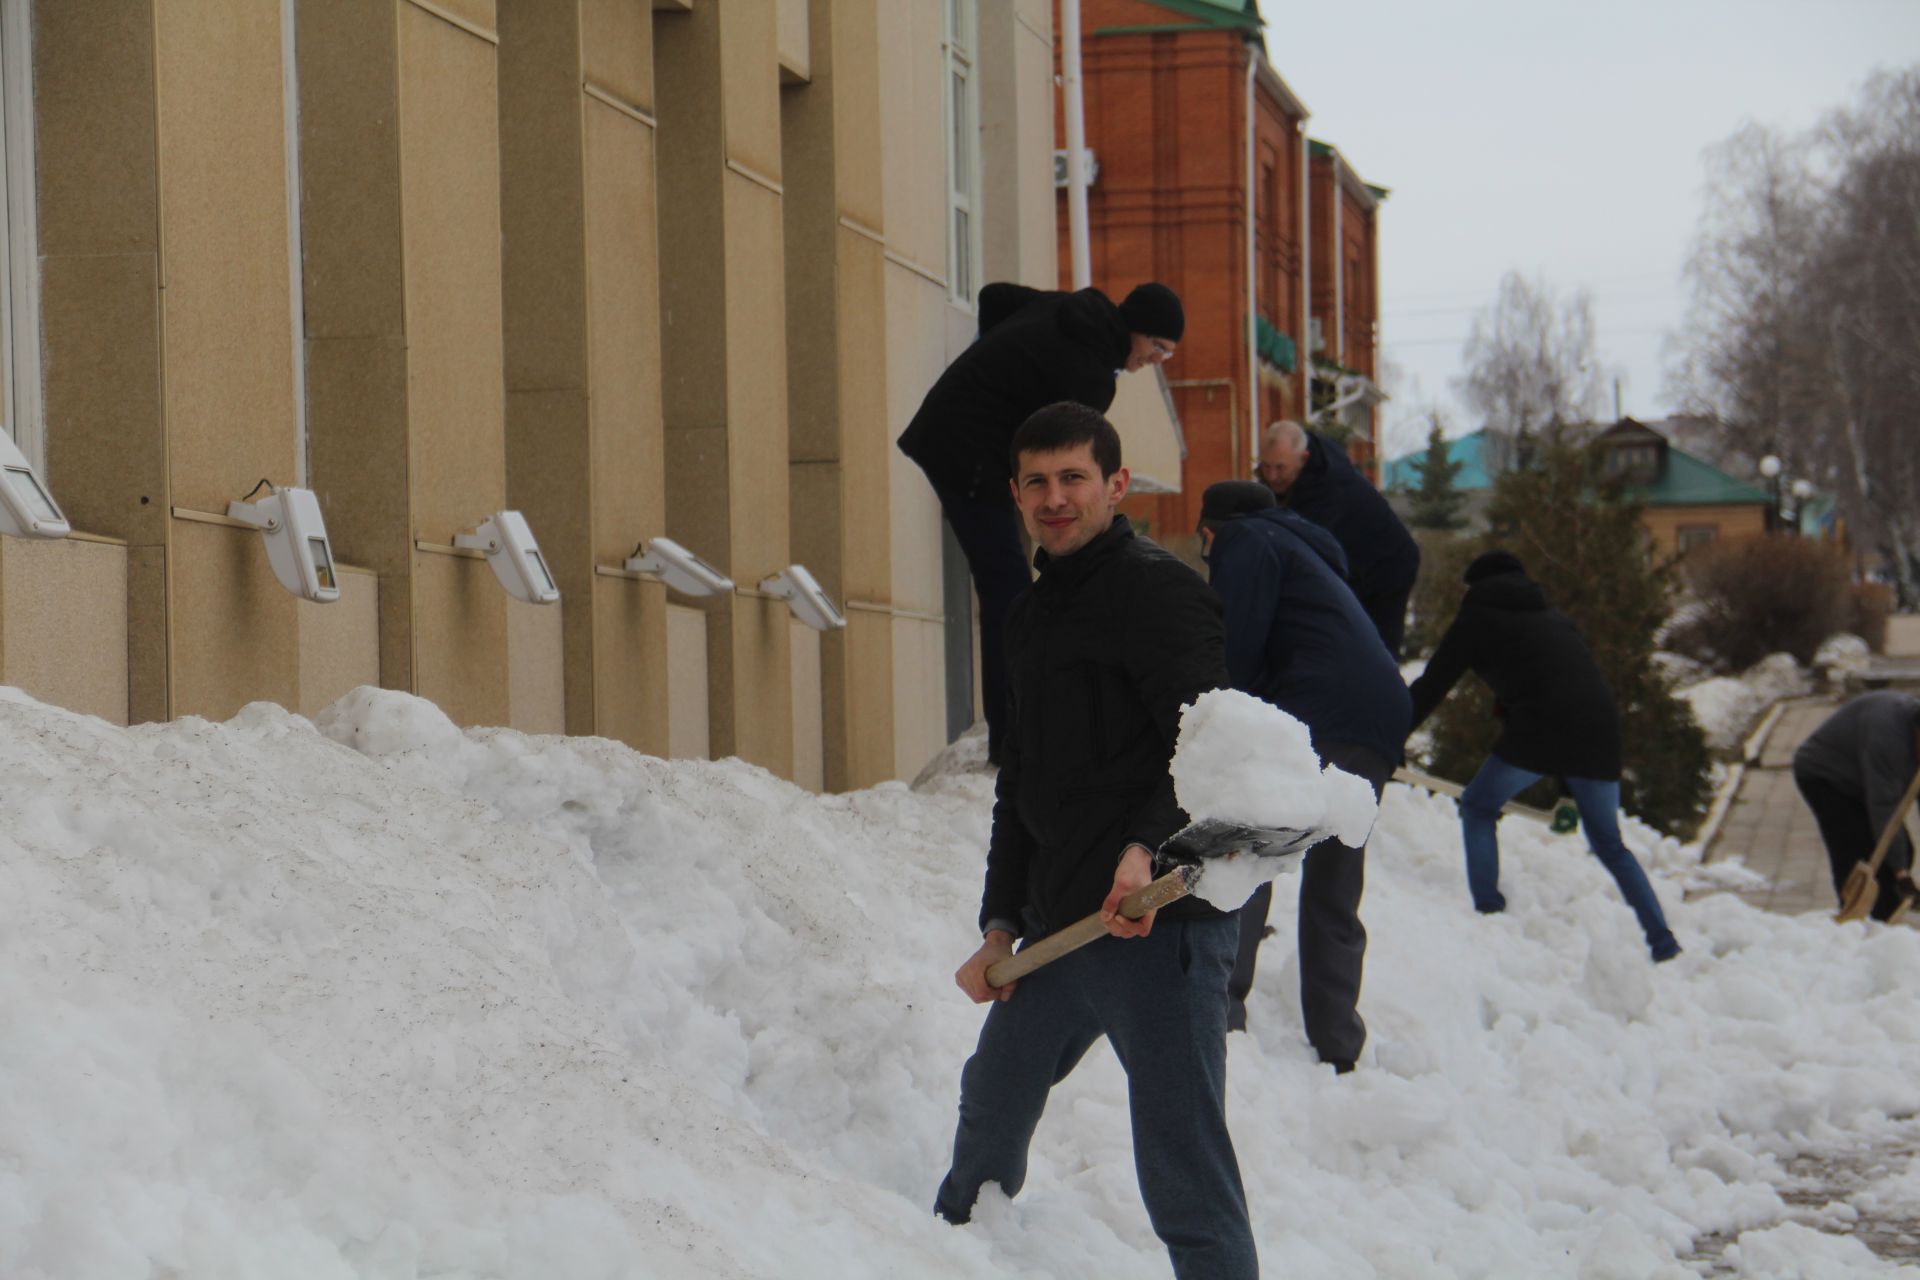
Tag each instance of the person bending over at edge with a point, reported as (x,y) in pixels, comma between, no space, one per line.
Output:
(1559,719)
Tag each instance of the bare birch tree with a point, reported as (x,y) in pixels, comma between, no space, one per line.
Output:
(1532,366)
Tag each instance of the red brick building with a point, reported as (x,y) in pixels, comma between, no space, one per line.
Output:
(1343,224)
(1168,86)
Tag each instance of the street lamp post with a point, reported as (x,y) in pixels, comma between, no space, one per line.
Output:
(1770,469)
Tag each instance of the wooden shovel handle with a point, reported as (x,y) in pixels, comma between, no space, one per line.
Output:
(1171,887)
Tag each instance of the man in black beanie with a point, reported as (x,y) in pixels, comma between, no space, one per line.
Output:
(1035,348)
(1298,638)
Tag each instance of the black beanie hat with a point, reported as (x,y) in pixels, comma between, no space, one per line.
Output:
(1489,563)
(1154,309)
(1226,499)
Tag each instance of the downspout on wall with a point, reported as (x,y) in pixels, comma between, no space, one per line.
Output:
(1253,336)
(1077,234)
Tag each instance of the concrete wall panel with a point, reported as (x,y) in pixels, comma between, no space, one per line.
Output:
(353,282)
(223,217)
(913,131)
(106,450)
(450,171)
(63,624)
(757,380)
(688,718)
(616,49)
(919,697)
(750,84)
(358,467)
(234,632)
(93,84)
(340,641)
(623,308)
(536,695)
(633,672)
(460,640)
(476,13)
(809,758)
(148,697)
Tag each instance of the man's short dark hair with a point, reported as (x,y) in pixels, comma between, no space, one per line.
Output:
(1067,424)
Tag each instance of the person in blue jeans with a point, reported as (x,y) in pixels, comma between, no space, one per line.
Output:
(1558,720)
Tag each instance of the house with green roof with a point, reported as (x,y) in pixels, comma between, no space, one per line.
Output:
(1686,501)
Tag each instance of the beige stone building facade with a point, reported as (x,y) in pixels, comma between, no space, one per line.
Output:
(633,268)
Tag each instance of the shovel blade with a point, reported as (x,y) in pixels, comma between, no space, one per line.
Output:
(1858,894)
(1207,838)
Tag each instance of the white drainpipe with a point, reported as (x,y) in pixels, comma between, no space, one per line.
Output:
(1076,144)
(1253,295)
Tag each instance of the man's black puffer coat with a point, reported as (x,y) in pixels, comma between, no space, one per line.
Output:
(1035,349)
(1104,652)
(1560,717)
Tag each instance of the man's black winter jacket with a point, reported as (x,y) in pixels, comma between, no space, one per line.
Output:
(1560,717)
(1382,557)
(1035,348)
(1104,652)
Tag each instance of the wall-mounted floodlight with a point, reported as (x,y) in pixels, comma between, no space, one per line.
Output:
(295,532)
(678,567)
(804,596)
(514,555)
(27,510)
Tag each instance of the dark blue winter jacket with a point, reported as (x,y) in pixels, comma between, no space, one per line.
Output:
(1297,636)
(1382,557)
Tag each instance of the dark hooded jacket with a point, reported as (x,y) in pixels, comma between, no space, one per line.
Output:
(1298,638)
(1035,348)
(1382,557)
(1559,713)
(1102,655)
(1868,748)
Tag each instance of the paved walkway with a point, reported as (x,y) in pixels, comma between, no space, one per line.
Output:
(1768,825)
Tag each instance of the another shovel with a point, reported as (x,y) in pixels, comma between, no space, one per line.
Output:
(1186,854)
(1862,888)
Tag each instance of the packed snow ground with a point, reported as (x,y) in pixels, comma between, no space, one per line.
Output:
(376,997)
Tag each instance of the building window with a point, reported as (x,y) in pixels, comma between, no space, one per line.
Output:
(963,153)
(1689,536)
(19,249)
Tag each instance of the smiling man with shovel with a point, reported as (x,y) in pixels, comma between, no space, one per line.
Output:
(1114,639)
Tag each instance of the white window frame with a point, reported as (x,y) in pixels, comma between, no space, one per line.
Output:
(19,238)
(960,58)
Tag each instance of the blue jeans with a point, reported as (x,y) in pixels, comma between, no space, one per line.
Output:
(1599,802)
(1161,1001)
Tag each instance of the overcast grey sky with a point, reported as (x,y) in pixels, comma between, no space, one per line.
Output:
(1560,139)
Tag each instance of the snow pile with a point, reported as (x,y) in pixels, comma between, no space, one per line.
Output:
(395,1000)
(1725,707)
(1241,759)
(1842,656)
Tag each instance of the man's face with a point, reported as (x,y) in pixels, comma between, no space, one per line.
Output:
(1280,465)
(1146,351)
(1063,498)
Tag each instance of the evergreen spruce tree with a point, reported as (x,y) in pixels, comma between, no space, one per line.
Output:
(1438,501)
(1582,541)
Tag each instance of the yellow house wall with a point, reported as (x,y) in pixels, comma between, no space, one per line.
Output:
(1733,522)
